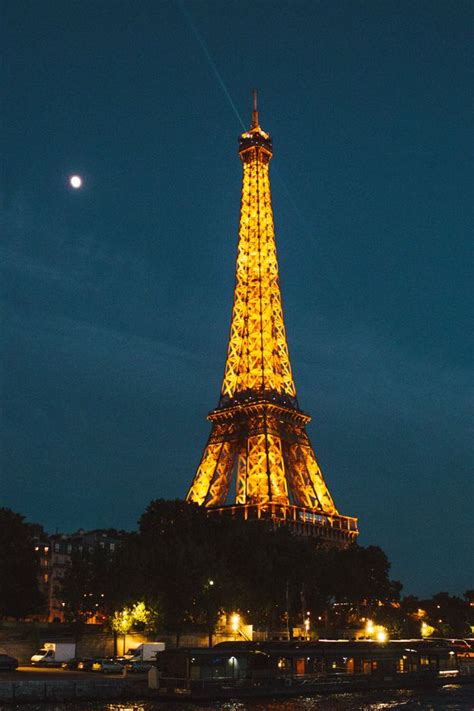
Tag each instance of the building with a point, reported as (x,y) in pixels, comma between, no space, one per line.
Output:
(55,554)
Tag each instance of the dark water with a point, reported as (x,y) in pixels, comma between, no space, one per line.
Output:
(448,698)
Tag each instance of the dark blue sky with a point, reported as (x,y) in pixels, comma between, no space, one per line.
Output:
(117,298)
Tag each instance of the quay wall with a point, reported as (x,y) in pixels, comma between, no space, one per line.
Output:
(15,692)
(22,639)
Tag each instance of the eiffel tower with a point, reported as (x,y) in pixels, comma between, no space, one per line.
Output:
(258,461)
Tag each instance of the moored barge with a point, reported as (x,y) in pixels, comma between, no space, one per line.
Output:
(272,669)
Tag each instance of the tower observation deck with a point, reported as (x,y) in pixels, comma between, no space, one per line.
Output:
(258,461)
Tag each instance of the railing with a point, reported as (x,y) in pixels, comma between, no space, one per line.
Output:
(291,513)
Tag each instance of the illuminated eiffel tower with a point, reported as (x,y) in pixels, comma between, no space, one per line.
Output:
(258,453)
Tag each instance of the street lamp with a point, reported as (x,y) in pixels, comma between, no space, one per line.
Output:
(307,624)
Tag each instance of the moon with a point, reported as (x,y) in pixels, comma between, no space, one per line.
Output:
(75,181)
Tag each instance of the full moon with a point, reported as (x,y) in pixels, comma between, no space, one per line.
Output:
(75,181)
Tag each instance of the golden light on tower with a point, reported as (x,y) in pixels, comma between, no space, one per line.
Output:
(258,440)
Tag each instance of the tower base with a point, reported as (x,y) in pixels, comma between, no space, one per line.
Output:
(336,530)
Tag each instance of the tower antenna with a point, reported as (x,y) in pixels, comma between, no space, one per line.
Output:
(255,123)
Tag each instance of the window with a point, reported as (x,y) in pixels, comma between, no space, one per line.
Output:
(299,666)
(284,664)
(366,666)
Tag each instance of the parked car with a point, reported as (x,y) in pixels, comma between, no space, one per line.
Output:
(107,666)
(74,663)
(462,647)
(8,663)
(138,667)
(85,664)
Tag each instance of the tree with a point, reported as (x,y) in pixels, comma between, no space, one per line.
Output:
(192,566)
(138,616)
(177,557)
(20,595)
(448,614)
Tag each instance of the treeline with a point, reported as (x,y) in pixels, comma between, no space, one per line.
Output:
(190,567)
(19,568)
(186,568)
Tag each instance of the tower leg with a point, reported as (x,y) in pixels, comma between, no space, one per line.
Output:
(212,480)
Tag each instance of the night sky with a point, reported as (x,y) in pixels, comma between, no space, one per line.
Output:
(116,298)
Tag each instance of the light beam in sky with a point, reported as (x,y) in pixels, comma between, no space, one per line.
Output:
(212,64)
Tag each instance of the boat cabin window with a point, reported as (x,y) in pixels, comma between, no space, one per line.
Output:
(284,664)
(366,666)
(338,665)
(300,666)
(402,664)
(428,662)
(218,667)
(316,665)
(448,663)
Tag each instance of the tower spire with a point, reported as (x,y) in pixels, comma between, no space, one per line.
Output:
(255,121)
(258,454)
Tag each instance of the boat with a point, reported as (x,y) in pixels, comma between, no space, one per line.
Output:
(294,668)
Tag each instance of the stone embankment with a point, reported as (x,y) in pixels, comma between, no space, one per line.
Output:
(29,691)
(22,639)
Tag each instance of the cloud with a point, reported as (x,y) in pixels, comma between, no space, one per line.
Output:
(137,363)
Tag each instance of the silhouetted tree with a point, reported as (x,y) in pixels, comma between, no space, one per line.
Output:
(20,595)
(188,567)
(448,614)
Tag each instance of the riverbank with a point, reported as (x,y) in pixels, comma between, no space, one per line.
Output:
(449,696)
(74,693)
(284,690)
(29,684)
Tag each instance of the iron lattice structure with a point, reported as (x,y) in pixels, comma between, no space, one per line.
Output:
(258,443)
